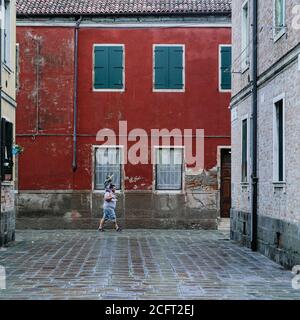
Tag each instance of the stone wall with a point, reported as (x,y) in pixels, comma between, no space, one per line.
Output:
(7,215)
(196,208)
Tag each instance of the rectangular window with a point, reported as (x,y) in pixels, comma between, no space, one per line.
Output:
(169,168)
(245,35)
(6,150)
(225,67)
(108,162)
(7,31)
(109,67)
(168,68)
(245,150)
(279,17)
(17,66)
(278,141)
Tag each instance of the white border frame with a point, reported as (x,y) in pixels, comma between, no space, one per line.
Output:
(121,147)
(220,66)
(153,67)
(275,159)
(282,32)
(183,171)
(93,66)
(245,117)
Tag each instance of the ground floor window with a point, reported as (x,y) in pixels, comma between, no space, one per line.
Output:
(278,141)
(107,162)
(6,150)
(169,168)
(245,150)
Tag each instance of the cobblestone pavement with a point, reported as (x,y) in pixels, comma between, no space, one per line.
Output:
(139,265)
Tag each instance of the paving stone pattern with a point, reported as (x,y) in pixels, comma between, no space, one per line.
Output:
(139,264)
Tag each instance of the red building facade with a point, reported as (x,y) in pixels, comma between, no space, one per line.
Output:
(61,110)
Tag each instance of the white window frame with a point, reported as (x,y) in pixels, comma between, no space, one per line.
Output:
(6,41)
(93,71)
(245,117)
(282,31)
(220,67)
(245,52)
(102,146)
(275,140)
(153,67)
(155,148)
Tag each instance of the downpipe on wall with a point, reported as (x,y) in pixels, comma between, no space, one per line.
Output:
(254,176)
(74,163)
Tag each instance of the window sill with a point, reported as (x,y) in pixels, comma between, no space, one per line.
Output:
(109,90)
(244,185)
(279,186)
(103,191)
(225,90)
(169,90)
(7,183)
(168,192)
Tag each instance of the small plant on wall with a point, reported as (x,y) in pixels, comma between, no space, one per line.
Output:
(17,149)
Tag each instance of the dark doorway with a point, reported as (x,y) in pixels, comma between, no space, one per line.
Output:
(225,183)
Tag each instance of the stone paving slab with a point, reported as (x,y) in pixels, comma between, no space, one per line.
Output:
(139,264)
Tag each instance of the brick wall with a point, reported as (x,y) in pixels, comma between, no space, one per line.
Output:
(278,206)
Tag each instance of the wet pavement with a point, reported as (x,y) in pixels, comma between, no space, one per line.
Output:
(139,264)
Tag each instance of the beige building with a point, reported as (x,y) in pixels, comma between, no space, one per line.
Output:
(276,230)
(7,111)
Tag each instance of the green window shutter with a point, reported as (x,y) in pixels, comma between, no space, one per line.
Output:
(176,68)
(161,68)
(108,67)
(226,61)
(101,79)
(116,67)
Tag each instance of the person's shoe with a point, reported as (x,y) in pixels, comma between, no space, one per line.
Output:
(118,229)
(100,229)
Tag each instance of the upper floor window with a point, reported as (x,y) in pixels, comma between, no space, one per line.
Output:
(169,68)
(279,18)
(225,68)
(7,32)
(109,67)
(245,35)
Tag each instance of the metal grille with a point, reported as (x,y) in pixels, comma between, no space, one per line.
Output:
(107,162)
(169,169)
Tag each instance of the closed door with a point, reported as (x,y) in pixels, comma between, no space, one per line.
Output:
(225,183)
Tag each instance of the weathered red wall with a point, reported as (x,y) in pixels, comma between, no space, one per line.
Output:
(46,162)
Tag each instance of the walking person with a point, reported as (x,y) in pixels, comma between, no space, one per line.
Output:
(109,206)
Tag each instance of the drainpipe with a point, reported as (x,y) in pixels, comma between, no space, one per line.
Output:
(254,176)
(74,164)
(0,105)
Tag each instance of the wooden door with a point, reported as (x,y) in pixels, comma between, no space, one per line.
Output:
(225,183)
